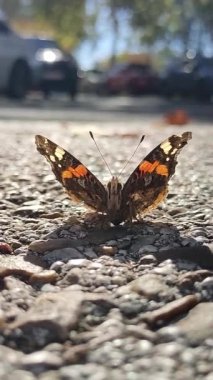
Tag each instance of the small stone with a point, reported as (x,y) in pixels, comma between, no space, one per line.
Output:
(177,210)
(21,374)
(42,246)
(90,254)
(170,349)
(169,333)
(201,239)
(188,242)
(165,269)
(48,288)
(147,248)
(108,250)
(148,259)
(84,371)
(5,249)
(112,243)
(52,215)
(64,255)
(143,241)
(102,280)
(95,265)
(165,231)
(57,266)
(118,280)
(29,210)
(48,320)
(72,277)
(197,233)
(81,263)
(208,282)
(197,325)
(47,276)
(149,285)
(41,361)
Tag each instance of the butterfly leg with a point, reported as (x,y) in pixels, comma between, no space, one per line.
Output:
(132,212)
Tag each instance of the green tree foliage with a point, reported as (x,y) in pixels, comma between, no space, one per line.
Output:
(66,18)
(167,20)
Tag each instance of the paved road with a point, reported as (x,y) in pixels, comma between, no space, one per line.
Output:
(92,108)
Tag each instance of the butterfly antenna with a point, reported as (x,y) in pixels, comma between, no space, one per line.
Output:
(92,137)
(128,161)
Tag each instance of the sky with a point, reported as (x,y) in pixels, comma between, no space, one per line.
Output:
(90,53)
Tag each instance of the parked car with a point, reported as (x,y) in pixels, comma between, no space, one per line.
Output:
(189,77)
(130,78)
(90,80)
(15,70)
(51,68)
(34,63)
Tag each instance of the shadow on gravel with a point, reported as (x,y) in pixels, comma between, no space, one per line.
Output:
(128,242)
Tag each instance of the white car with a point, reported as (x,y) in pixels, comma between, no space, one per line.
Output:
(14,67)
(33,63)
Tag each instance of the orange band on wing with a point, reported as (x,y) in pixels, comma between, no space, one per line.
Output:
(148,167)
(70,172)
(162,170)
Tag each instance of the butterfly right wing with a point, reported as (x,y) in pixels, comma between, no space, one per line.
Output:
(147,186)
(78,181)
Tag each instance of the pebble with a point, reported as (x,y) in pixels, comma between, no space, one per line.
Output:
(149,285)
(89,253)
(48,276)
(165,269)
(5,249)
(201,239)
(40,361)
(148,259)
(147,249)
(107,250)
(81,263)
(42,246)
(64,254)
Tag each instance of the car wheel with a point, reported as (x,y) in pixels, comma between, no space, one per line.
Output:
(19,81)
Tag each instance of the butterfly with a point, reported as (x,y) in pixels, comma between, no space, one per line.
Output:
(145,188)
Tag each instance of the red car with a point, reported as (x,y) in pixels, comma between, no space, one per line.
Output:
(129,78)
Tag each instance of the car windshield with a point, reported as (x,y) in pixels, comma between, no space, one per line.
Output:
(39,43)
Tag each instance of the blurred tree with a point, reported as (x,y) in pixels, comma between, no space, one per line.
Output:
(166,21)
(66,18)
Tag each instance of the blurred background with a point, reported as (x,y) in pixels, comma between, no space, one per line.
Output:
(88,51)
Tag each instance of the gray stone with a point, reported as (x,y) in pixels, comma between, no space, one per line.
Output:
(147,249)
(198,324)
(49,319)
(149,285)
(40,361)
(142,241)
(64,254)
(42,246)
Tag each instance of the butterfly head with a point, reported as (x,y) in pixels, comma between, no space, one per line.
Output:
(114,198)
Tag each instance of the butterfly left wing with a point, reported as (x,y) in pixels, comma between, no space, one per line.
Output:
(147,186)
(78,181)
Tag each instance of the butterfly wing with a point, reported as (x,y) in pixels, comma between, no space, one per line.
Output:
(78,181)
(147,186)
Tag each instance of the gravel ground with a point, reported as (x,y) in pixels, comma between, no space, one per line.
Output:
(81,302)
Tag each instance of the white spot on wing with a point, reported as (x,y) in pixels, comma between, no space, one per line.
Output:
(174,151)
(59,153)
(52,158)
(166,146)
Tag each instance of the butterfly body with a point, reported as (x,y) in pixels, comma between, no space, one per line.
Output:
(145,188)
